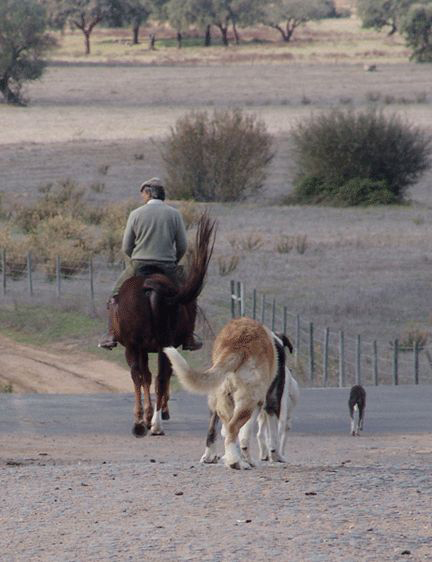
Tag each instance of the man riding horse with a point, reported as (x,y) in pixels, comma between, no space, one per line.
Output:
(155,241)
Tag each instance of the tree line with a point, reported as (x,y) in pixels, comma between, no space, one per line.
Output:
(24,40)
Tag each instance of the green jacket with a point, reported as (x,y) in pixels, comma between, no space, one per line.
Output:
(155,231)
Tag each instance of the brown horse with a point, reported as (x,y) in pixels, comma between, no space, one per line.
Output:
(153,313)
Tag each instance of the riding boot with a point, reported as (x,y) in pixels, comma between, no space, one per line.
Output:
(108,340)
(191,341)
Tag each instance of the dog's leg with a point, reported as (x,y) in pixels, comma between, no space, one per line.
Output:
(272,438)
(261,436)
(232,456)
(210,456)
(245,435)
(361,418)
(351,411)
(289,401)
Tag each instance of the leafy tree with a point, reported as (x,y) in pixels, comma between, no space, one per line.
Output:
(137,12)
(180,15)
(56,18)
(84,15)
(417,29)
(244,13)
(378,14)
(23,43)
(287,15)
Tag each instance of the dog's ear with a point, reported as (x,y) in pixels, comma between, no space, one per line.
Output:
(284,339)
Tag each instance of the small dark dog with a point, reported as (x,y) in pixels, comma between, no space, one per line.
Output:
(357,403)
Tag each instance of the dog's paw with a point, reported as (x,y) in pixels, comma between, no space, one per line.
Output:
(276,457)
(209,458)
(239,465)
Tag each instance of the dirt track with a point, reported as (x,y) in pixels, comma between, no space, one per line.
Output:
(30,369)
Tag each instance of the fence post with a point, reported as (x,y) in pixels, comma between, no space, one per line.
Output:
(29,274)
(416,362)
(358,360)
(297,339)
(273,315)
(240,298)
(91,280)
(341,359)
(232,298)
(325,356)
(375,362)
(254,304)
(395,362)
(311,353)
(58,275)
(263,303)
(3,266)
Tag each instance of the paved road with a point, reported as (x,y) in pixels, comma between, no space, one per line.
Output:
(402,409)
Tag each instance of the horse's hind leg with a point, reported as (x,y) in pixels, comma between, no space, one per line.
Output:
(139,428)
(146,378)
(162,392)
(165,409)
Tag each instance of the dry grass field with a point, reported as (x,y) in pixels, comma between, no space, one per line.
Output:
(100,119)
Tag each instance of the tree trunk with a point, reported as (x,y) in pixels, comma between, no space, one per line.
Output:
(207,39)
(9,95)
(87,42)
(135,32)
(236,35)
(152,41)
(224,34)
(179,39)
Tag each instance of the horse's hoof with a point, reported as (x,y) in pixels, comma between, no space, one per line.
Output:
(165,415)
(139,430)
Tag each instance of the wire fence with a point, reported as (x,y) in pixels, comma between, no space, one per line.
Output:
(27,278)
(323,357)
(326,357)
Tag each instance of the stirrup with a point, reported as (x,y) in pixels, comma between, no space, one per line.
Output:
(107,343)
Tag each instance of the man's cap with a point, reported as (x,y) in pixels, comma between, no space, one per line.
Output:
(152,182)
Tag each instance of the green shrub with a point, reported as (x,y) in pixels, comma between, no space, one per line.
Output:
(357,191)
(333,148)
(363,191)
(217,157)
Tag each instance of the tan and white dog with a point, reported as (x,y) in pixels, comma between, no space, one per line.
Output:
(246,362)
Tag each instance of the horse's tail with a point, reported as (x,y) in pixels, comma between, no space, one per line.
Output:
(200,258)
(200,382)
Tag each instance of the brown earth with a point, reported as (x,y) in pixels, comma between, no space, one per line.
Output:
(35,370)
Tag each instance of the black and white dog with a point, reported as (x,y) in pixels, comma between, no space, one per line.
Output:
(357,405)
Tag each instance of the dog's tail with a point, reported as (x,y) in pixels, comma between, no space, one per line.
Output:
(200,382)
